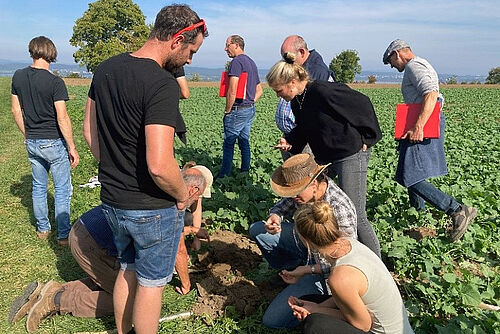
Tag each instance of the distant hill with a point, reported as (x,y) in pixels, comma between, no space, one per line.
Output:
(8,67)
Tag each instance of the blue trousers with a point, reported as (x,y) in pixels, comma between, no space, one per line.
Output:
(237,126)
(50,155)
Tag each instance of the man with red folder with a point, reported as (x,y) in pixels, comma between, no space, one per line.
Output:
(422,158)
(239,112)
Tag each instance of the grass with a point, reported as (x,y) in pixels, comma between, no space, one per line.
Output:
(472,151)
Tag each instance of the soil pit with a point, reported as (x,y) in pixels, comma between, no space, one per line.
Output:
(221,280)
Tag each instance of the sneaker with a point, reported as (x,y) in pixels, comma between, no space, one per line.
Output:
(42,235)
(461,219)
(44,306)
(22,304)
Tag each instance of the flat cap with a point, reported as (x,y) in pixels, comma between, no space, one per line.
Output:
(395,45)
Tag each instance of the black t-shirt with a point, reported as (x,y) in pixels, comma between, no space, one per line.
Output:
(179,72)
(37,90)
(131,93)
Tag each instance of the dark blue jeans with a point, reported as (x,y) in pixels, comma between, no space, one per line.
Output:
(424,191)
(237,126)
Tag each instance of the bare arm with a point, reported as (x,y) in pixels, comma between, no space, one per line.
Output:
(231,93)
(90,128)
(67,131)
(161,162)
(17,112)
(348,284)
(183,86)
(416,134)
(181,266)
(258,92)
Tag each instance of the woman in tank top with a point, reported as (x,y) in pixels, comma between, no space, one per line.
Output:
(364,298)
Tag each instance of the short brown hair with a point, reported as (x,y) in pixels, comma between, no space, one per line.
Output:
(237,39)
(316,222)
(172,19)
(42,47)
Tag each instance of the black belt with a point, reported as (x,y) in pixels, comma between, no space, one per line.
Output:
(245,106)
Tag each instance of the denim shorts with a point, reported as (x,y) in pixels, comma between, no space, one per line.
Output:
(146,241)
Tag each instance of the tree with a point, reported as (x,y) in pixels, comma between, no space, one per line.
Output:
(74,75)
(372,79)
(452,80)
(346,66)
(195,77)
(107,28)
(493,76)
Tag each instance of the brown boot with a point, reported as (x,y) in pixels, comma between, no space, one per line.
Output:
(44,307)
(22,304)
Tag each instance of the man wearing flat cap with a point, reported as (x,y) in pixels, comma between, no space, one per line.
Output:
(422,158)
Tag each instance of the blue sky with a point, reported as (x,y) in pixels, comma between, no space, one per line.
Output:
(457,37)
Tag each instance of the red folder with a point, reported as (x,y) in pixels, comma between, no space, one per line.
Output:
(241,89)
(407,115)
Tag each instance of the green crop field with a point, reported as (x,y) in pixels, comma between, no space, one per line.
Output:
(442,283)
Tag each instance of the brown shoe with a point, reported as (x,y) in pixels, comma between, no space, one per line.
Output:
(42,235)
(63,242)
(461,219)
(22,304)
(44,307)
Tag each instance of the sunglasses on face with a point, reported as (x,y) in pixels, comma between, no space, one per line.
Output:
(192,27)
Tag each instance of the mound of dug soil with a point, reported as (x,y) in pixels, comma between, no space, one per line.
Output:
(221,280)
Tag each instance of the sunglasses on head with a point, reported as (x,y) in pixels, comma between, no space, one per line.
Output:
(192,27)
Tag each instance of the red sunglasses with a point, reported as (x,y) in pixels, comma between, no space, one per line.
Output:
(192,27)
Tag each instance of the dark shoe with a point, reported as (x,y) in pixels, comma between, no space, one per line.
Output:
(44,306)
(461,219)
(42,235)
(22,304)
(63,242)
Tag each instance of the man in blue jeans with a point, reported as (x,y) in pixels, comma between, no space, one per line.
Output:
(422,158)
(39,108)
(131,117)
(239,113)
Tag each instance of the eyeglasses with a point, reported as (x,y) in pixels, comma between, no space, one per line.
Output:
(192,27)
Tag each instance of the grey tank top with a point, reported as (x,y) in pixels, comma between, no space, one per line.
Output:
(382,297)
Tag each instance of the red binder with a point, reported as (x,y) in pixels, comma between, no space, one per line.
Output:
(407,115)
(241,89)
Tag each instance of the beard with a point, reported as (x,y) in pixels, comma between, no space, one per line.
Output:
(172,65)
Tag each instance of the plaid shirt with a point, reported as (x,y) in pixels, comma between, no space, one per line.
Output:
(285,119)
(343,209)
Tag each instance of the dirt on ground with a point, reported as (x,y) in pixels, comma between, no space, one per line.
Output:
(220,280)
(418,233)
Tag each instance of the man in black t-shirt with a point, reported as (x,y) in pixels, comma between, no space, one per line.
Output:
(131,117)
(39,108)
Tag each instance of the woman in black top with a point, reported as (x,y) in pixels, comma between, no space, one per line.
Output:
(340,126)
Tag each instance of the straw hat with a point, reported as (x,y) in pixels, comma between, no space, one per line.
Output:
(295,174)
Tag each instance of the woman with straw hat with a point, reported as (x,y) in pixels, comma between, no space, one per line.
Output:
(364,298)
(340,126)
(299,180)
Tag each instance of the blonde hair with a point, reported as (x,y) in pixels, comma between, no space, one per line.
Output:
(316,222)
(284,71)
